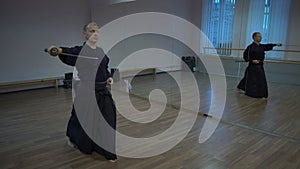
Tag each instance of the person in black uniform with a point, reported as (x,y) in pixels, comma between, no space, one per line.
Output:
(91,54)
(254,82)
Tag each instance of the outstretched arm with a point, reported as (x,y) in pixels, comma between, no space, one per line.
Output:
(67,59)
(66,55)
(270,46)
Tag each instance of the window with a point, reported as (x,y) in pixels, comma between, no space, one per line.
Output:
(270,17)
(266,22)
(218,18)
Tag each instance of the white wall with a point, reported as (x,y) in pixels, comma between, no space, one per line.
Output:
(29,26)
(104,14)
(293,37)
(196,12)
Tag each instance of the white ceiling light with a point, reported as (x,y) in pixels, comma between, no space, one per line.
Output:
(109,2)
(119,1)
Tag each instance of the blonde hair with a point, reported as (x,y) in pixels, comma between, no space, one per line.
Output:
(85,28)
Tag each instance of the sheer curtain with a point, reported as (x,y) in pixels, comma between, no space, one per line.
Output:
(206,14)
(255,19)
(279,25)
(276,25)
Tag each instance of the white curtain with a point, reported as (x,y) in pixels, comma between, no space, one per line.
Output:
(206,15)
(255,19)
(279,25)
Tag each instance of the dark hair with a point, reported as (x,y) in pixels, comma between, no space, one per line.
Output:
(254,34)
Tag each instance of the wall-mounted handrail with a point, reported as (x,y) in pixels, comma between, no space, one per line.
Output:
(241,49)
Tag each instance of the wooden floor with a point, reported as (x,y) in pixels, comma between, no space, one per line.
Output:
(253,133)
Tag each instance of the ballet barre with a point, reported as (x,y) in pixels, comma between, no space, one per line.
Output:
(242,49)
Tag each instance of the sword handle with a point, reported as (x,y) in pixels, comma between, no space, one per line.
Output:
(53,51)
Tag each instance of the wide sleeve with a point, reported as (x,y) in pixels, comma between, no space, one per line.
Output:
(69,59)
(246,54)
(108,73)
(268,47)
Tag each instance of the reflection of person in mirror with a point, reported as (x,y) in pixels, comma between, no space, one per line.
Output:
(75,133)
(254,82)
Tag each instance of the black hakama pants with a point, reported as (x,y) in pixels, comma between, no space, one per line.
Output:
(254,82)
(78,136)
